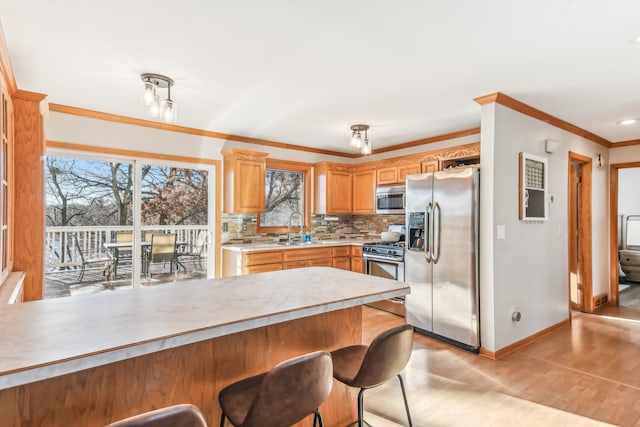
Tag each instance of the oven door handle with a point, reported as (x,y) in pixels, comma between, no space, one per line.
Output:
(379,258)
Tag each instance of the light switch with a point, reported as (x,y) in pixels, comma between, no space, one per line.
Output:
(502,232)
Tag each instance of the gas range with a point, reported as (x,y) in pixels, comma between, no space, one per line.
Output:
(384,250)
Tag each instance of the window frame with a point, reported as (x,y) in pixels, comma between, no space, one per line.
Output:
(288,165)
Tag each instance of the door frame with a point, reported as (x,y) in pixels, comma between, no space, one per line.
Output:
(584,238)
(613,229)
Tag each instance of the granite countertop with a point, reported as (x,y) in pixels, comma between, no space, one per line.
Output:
(258,247)
(47,338)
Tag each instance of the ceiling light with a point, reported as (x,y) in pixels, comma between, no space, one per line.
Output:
(637,39)
(165,109)
(627,122)
(357,141)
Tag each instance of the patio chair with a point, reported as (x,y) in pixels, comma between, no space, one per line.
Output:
(122,255)
(163,248)
(197,252)
(79,256)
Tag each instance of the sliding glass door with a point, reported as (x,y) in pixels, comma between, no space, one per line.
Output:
(121,223)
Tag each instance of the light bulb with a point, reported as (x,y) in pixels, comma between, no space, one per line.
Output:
(154,110)
(627,122)
(149,93)
(168,111)
(366,148)
(356,139)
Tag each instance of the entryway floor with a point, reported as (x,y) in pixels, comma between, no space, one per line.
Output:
(629,294)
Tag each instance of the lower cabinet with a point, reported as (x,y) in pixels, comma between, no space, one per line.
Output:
(357,263)
(235,263)
(308,257)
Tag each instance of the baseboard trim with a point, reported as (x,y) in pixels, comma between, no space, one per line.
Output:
(518,345)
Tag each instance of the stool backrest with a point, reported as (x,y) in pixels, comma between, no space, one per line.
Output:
(171,416)
(387,356)
(292,390)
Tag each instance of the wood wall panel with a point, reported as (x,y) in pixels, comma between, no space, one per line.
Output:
(189,374)
(29,200)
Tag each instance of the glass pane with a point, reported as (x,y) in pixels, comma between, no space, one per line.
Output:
(284,192)
(88,204)
(633,232)
(175,230)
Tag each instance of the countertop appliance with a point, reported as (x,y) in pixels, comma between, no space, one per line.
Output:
(390,200)
(386,259)
(441,261)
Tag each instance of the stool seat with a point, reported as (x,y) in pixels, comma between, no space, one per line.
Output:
(347,362)
(281,397)
(184,415)
(237,398)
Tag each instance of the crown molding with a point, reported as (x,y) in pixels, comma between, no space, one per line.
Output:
(625,143)
(423,141)
(92,114)
(25,95)
(521,107)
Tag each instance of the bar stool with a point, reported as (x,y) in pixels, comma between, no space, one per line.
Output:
(281,397)
(171,416)
(366,367)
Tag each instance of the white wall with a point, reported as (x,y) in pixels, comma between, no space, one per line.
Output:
(628,191)
(624,154)
(527,270)
(81,130)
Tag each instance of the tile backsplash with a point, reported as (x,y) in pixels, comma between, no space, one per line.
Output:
(242,228)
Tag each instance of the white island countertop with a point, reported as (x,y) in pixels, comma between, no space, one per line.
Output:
(48,338)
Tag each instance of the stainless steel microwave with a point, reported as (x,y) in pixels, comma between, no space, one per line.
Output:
(390,200)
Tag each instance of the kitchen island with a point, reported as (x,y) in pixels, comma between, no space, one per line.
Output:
(93,359)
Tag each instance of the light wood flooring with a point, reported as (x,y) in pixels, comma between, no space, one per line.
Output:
(629,295)
(587,374)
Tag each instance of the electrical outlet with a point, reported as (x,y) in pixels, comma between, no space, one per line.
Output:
(225,227)
(244,226)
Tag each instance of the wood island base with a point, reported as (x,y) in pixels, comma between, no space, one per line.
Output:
(192,373)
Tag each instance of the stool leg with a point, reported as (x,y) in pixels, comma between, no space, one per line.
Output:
(361,408)
(317,416)
(404,396)
(222,419)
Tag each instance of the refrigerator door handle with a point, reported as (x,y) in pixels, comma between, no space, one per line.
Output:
(427,242)
(437,212)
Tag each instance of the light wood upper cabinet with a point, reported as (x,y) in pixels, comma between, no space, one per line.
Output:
(364,192)
(244,181)
(430,166)
(396,174)
(387,175)
(405,170)
(333,189)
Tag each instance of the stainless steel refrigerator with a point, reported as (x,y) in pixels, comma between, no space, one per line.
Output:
(441,259)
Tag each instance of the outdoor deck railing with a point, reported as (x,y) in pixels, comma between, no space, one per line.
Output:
(92,239)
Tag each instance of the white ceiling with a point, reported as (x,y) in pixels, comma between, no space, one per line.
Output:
(301,71)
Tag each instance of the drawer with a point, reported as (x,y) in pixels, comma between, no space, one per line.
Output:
(255,258)
(322,262)
(356,250)
(261,268)
(628,257)
(343,263)
(295,264)
(307,253)
(341,251)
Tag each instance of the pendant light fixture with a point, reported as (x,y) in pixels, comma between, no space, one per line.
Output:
(356,138)
(165,109)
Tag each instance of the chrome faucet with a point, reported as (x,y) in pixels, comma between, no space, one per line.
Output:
(296,213)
